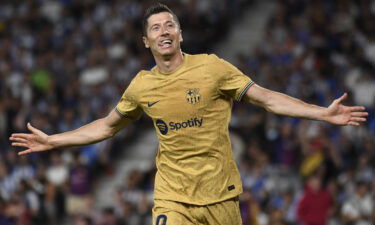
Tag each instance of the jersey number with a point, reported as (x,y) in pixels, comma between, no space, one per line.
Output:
(162,218)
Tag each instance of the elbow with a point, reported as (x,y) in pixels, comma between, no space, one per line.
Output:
(266,105)
(109,133)
(269,107)
(267,101)
(272,103)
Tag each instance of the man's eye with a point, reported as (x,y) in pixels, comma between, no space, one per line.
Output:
(170,25)
(155,28)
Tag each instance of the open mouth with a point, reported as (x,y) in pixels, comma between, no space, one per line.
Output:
(165,43)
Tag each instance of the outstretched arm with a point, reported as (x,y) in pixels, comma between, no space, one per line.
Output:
(282,104)
(96,131)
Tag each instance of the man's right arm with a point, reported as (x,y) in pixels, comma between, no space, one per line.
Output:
(96,131)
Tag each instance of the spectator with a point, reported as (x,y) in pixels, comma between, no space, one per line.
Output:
(358,209)
(82,220)
(80,183)
(110,217)
(131,216)
(316,203)
(57,177)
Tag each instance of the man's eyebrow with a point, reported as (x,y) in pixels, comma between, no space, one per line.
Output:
(158,23)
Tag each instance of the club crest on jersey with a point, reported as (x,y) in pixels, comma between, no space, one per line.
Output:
(193,96)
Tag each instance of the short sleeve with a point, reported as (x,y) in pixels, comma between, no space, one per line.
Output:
(128,105)
(233,82)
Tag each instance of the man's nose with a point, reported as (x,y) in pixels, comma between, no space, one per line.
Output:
(164,30)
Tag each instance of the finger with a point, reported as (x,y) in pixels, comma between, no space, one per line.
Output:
(28,151)
(31,128)
(357,108)
(34,130)
(18,144)
(353,123)
(342,98)
(359,114)
(21,135)
(23,140)
(358,119)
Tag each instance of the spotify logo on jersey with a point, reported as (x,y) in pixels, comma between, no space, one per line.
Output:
(175,126)
(163,128)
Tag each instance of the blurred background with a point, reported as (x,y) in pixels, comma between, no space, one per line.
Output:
(64,63)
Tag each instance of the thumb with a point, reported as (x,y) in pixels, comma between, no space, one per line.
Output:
(342,98)
(31,128)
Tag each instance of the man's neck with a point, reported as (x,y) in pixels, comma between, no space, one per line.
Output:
(169,64)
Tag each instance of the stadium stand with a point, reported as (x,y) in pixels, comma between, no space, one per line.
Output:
(65,63)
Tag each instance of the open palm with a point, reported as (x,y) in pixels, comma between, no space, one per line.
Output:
(36,141)
(339,114)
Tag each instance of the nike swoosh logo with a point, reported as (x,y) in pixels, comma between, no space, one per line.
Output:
(151,104)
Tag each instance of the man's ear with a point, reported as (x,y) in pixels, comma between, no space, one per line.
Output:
(145,41)
(181,39)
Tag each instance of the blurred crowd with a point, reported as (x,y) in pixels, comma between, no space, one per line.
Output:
(65,63)
(303,172)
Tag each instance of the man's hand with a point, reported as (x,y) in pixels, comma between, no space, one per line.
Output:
(339,114)
(285,105)
(36,141)
(91,133)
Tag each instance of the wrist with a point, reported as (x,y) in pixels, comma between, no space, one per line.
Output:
(323,114)
(51,143)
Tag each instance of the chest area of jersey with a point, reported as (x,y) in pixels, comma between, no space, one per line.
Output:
(180,97)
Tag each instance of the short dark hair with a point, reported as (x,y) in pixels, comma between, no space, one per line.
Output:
(155,9)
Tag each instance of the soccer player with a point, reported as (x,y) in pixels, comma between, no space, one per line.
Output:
(189,99)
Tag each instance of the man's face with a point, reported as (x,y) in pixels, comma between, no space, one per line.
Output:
(163,35)
(315,184)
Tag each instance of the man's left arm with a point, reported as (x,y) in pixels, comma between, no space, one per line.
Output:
(282,104)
